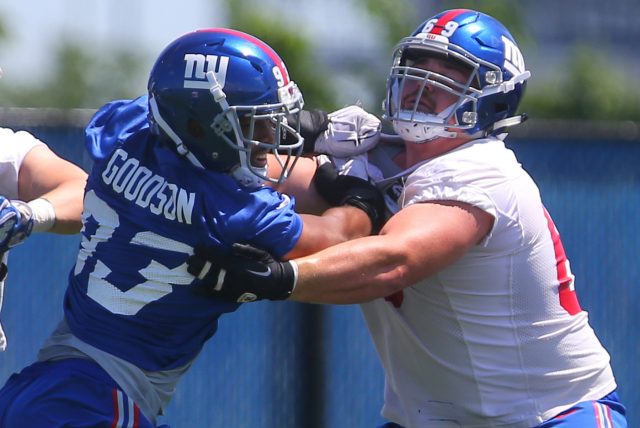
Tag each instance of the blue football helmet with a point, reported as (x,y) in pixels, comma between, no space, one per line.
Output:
(486,103)
(211,89)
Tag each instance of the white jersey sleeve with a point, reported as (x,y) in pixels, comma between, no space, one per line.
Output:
(497,338)
(14,146)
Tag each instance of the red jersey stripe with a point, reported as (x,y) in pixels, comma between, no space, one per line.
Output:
(116,409)
(136,416)
(568,297)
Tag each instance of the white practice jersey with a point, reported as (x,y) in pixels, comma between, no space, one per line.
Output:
(14,146)
(497,339)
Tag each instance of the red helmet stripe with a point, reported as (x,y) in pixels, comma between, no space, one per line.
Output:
(266,48)
(450,15)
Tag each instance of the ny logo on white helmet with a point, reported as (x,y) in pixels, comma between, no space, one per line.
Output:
(196,68)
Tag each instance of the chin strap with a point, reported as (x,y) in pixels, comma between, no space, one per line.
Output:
(242,172)
(510,121)
(505,87)
(180,147)
(246,178)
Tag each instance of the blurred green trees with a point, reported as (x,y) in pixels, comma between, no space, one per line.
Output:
(80,79)
(292,43)
(588,88)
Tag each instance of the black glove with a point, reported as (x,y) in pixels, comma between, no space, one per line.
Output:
(350,190)
(248,274)
(312,123)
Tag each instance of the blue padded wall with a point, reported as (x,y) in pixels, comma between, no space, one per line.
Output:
(294,365)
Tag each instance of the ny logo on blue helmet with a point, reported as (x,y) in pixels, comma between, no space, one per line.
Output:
(196,68)
(222,97)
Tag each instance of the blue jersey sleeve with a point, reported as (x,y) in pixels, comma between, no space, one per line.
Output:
(103,133)
(275,225)
(264,218)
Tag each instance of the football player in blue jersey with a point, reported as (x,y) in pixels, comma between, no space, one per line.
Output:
(195,162)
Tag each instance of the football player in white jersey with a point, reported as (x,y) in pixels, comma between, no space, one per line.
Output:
(467,291)
(39,192)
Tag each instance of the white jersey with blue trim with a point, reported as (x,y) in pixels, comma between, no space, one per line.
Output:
(145,210)
(497,339)
(14,147)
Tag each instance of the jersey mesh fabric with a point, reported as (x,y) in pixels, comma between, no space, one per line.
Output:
(131,305)
(485,342)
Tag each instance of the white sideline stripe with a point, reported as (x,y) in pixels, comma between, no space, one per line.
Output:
(223,273)
(120,408)
(132,415)
(603,416)
(205,270)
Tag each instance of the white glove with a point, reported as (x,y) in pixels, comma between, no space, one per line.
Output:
(16,223)
(352,131)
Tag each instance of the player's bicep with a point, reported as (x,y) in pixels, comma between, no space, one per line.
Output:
(437,233)
(33,182)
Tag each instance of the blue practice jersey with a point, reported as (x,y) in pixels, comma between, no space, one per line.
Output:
(145,209)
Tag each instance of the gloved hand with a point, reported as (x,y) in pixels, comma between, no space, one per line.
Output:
(16,223)
(311,124)
(343,133)
(340,190)
(248,274)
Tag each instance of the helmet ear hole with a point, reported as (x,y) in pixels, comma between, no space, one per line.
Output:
(195,129)
(501,108)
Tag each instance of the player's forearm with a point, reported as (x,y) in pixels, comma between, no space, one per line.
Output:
(354,272)
(299,185)
(336,225)
(67,202)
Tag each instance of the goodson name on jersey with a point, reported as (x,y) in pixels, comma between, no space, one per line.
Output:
(137,183)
